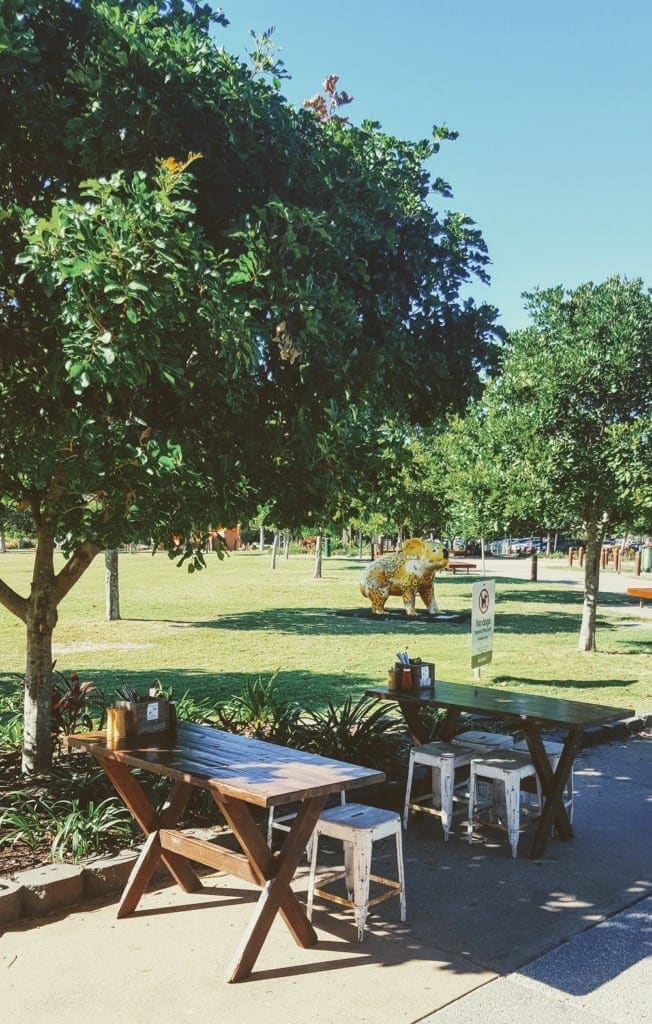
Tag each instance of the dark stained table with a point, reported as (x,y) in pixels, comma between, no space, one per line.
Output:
(533,713)
(238,772)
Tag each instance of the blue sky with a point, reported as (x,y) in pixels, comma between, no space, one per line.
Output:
(552,101)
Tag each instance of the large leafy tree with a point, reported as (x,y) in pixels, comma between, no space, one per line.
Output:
(570,416)
(183,339)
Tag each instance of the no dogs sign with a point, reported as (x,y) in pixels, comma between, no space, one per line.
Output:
(483,600)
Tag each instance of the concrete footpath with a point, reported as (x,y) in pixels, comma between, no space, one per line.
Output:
(488,939)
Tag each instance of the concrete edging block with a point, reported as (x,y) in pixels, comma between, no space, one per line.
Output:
(50,887)
(11,901)
(102,876)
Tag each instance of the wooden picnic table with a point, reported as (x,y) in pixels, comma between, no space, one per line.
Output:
(533,713)
(238,772)
(642,593)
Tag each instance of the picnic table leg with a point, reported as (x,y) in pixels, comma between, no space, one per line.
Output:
(150,822)
(553,812)
(274,876)
(417,729)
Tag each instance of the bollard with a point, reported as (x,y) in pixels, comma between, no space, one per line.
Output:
(580,557)
(604,554)
(637,563)
(617,560)
(533,567)
(571,553)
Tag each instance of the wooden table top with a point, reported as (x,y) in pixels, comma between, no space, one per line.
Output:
(261,773)
(499,703)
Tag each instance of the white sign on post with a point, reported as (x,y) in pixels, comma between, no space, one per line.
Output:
(483,598)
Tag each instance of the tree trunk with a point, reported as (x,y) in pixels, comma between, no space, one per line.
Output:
(3,542)
(40,621)
(594,537)
(286,549)
(317,572)
(112,585)
(359,543)
(39,613)
(274,549)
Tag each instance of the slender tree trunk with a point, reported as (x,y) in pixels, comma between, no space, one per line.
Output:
(39,613)
(317,572)
(3,542)
(360,544)
(482,555)
(112,585)
(286,548)
(40,621)
(594,537)
(274,548)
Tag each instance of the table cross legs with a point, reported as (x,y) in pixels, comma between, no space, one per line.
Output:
(553,784)
(256,864)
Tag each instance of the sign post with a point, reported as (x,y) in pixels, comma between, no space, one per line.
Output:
(483,600)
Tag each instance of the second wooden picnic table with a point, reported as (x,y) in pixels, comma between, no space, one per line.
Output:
(533,713)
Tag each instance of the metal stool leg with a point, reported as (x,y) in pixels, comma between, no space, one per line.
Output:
(361,880)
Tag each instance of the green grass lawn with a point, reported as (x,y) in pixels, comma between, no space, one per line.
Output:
(239,619)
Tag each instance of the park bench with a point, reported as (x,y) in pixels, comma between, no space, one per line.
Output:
(454,566)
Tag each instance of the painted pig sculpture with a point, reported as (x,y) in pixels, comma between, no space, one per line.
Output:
(406,573)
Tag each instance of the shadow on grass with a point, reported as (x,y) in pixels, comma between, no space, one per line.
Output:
(310,622)
(559,685)
(308,689)
(354,622)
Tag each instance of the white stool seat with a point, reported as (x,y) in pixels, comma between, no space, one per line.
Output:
(554,752)
(358,826)
(509,767)
(443,759)
(484,739)
(283,822)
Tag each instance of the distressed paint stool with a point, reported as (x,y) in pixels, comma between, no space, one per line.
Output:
(509,767)
(358,827)
(443,759)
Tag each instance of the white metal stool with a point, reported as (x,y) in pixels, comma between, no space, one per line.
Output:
(509,767)
(482,740)
(443,759)
(283,822)
(554,752)
(358,827)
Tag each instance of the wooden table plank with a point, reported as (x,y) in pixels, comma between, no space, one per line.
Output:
(261,773)
(499,703)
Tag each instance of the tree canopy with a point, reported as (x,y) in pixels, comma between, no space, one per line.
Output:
(209,300)
(568,419)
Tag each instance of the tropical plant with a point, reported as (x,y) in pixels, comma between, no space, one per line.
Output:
(75,703)
(83,830)
(260,710)
(11,718)
(357,732)
(27,820)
